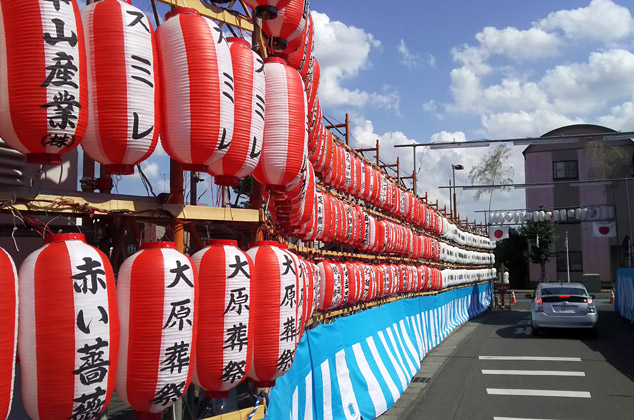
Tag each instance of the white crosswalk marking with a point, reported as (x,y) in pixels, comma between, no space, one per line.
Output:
(515,418)
(534,358)
(538,393)
(532,372)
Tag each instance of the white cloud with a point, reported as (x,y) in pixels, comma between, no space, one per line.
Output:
(523,123)
(434,166)
(446,137)
(493,82)
(518,44)
(412,60)
(151,169)
(430,106)
(602,20)
(343,51)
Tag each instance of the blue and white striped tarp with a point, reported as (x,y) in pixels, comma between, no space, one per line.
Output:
(359,365)
(624,293)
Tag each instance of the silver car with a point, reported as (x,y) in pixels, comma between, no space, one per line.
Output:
(563,305)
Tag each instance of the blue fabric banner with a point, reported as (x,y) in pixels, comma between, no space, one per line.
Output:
(359,365)
(624,293)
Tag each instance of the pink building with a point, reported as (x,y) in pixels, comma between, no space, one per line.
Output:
(565,166)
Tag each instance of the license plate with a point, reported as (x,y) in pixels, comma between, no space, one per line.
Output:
(564,309)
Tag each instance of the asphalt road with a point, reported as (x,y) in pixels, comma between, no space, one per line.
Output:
(492,368)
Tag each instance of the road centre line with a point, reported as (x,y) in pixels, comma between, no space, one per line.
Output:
(538,393)
(533,358)
(532,372)
(515,418)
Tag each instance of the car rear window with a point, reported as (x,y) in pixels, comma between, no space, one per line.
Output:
(563,298)
(559,291)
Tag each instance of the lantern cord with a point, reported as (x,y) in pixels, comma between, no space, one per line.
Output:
(255,408)
(60,217)
(156,13)
(15,227)
(204,192)
(146,181)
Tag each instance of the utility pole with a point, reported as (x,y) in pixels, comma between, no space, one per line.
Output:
(413,146)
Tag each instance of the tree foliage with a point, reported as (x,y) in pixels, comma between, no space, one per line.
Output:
(607,162)
(542,237)
(513,252)
(493,170)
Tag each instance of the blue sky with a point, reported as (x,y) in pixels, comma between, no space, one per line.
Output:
(412,71)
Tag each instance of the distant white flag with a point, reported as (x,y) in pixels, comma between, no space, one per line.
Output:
(604,229)
(497,233)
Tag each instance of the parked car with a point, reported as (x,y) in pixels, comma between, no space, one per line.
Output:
(563,305)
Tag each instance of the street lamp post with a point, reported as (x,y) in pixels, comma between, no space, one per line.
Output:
(455,168)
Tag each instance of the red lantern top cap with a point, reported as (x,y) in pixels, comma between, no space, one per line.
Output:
(157,245)
(268,243)
(61,237)
(239,41)
(275,60)
(181,11)
(229,242)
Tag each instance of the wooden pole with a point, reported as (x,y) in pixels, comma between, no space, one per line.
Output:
(177,196)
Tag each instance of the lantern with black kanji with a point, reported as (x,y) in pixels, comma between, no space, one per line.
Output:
(44,95)
(197,89)
(68,340)
(266,9)
(123,123)
(225,339)
(8,330)
(275,317)
(157,291)
(285,135)
(248,122)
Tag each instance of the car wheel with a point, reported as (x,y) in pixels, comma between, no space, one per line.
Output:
(535,330)
(593,332)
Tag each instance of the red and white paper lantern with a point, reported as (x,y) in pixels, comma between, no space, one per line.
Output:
(123,124)
(275,319)
(8,330)
(157,291)
(68,340)
(266,9)
(286,32)
(225,339)
(44,91)
(197,89)
(248,122)
(285,135)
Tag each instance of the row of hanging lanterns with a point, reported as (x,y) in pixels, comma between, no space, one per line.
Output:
(87,337)
(454,277)
(106,71)
(142,336)
(346,283)
(452,233)
(595,213)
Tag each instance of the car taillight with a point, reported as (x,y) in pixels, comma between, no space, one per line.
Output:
(591,308)
(538,306)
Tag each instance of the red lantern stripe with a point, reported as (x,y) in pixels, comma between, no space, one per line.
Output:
(49,354)
(147,288)
(123,126)
(8,330)
(270,352)
(30,121)
(246,145)
(197,90)
(285,135)
(226,294)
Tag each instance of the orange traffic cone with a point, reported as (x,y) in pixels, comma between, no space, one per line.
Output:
(612,297)
(513,300)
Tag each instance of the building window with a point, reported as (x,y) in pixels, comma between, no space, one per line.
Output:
(565,169)
(575,261)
